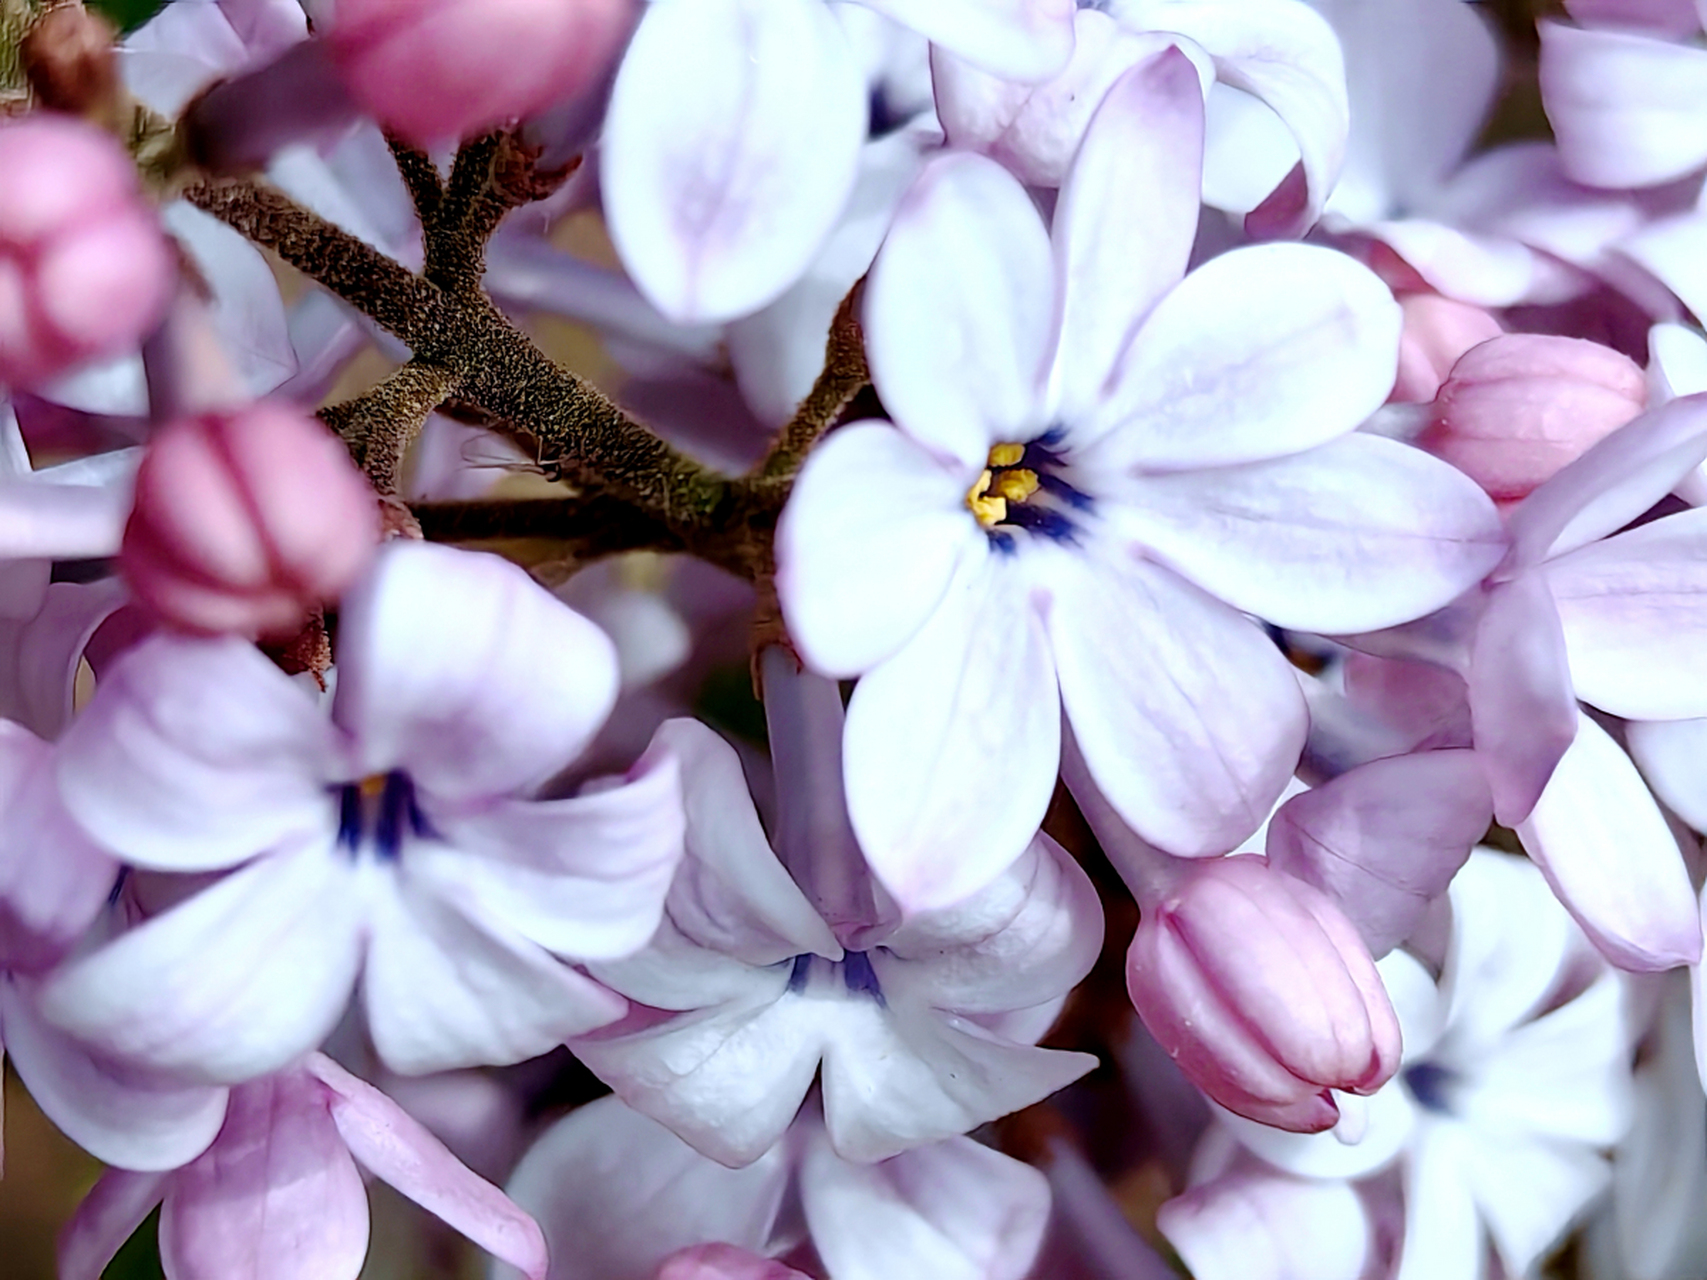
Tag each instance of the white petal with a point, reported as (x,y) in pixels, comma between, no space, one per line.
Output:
(458,667)
(958,309)
(1671,755)
(867,545)
(245,976)
(730,147)
(1017,39)
(1253,1224)
(1443,1236)
(1188,718)
(952,745)
(1309,352)
(1311,542)
(1530,1190)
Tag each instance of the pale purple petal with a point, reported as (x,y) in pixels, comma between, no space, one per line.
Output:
(1673,758)
(393,1145)
(119,1115)
(1311,542)
(246,307)
(1488,270)
(237,981)
(1017,39)
(1252,1224)
(1600,839)
(1613,483)
(197,754)
(1385,839)
(460,668)
(60,521)
(952,745)
(446,986)
(1622,105)
(953,1211)
(114,1208)
(38,675)
(1126,220)
(584,876)
(1189,719)
(1523,707)
(958,309)
(730,148)
(868,544)
(277,1195)
(606,1164)
(1308,353)
(1634,611)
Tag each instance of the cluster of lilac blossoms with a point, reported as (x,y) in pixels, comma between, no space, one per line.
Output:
(800,640)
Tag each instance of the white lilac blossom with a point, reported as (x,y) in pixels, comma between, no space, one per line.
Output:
(773,969)
(281,1191)
(954,1209)
(1093,458)
(396,841)
(1515,1084)
(734,133)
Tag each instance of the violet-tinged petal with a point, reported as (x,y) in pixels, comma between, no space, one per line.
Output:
(463,670)
(1489,270)
(952,745)
(1254,1224)
(728,1079)
(390,1143)
(1191,750)
(1599,838)
(730,147)
(60,521)
(605,1164)
(1622,105)
(953,1211)
(1307,355)
(584,876)
(903,1076)
(732,896)
(1613,483)
(121,1116)
(197,754)
(1634,612)
(276,1196)
(958,311)
(1026,40)
(38,672)
(114,1208)
(1385,839)
(1283,53)
(253,328)
(868,544)
(1030,937)
(446,985)
(1309,542)
(1523,707)
(1125,221)
(233,983)
(1671,755)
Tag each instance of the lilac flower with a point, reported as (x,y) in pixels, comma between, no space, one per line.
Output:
(953,1210)
(923,1028)
(394,841)
(1094,459)
(280,1191)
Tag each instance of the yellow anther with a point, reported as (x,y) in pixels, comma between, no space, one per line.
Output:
(1005,455)
(1016,485)
(372,785)
(989,509)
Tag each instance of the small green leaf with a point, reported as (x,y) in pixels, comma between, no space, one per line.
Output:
(128,14)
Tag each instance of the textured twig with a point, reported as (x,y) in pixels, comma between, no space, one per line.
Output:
(844,375)
(380,424)
(416,169)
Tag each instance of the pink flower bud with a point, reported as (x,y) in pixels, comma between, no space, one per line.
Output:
(1518,407)
(84,268)
(723,1262)
(1437,331)
(1262,991)
(246,519)
(435,70)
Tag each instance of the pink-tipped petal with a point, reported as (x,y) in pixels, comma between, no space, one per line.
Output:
(114,1208)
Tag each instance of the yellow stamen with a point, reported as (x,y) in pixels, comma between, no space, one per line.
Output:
(1005,455)
(990,510)
(372,785)
(1016,485)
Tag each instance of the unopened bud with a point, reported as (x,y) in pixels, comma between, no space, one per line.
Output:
(1437,332)
(438,70)
(723,1262)
(1263,992)
(1519,407)
(245,520)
